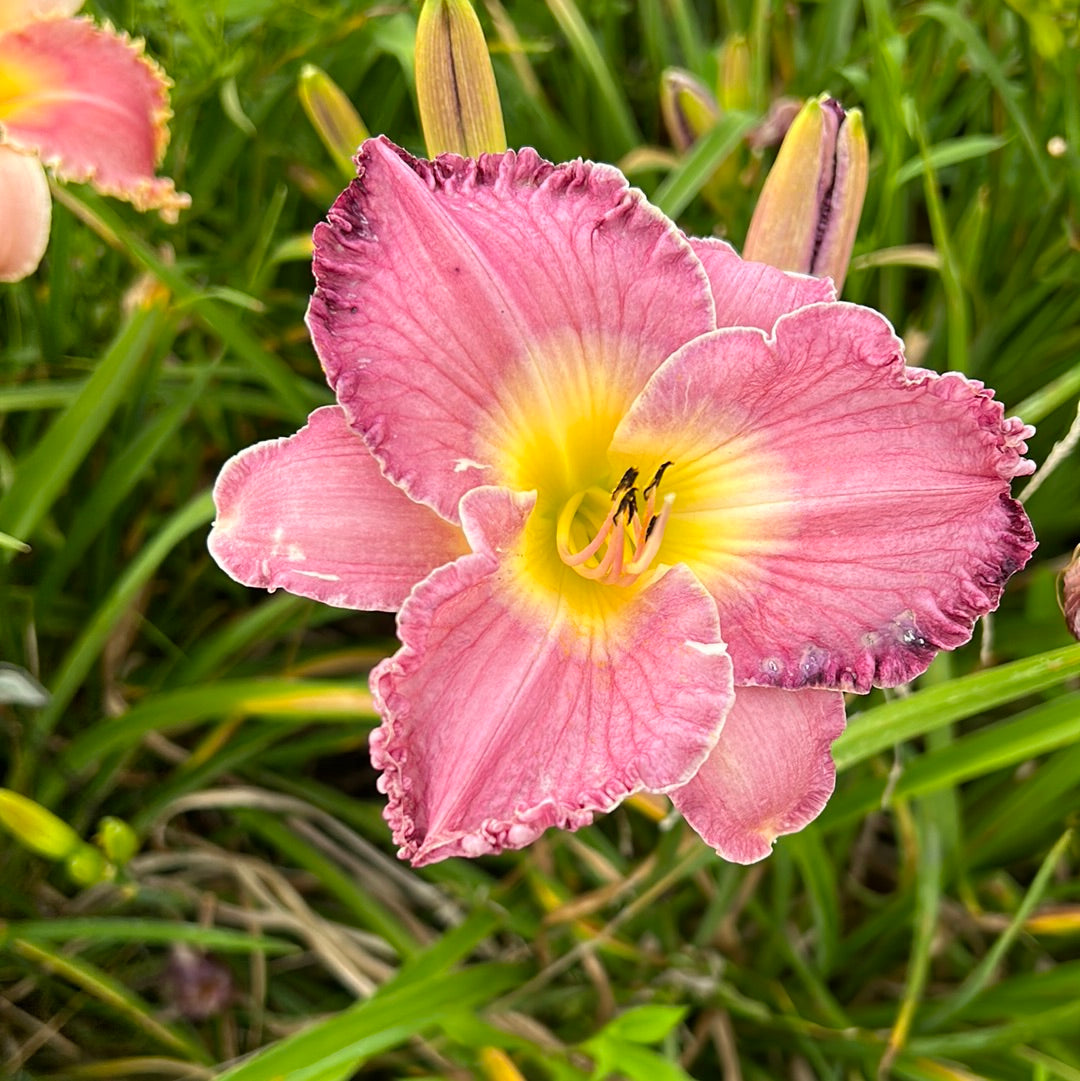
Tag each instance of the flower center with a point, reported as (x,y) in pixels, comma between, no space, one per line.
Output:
(625,544)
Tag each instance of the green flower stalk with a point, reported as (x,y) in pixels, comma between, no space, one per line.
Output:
(808,212)
(332,116)
(455,83)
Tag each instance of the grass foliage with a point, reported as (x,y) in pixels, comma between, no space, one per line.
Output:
(927,927)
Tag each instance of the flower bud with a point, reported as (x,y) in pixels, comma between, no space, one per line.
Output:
(86,866)
(332,116)
(36,828)
(687,106)
(455,83)
(1070,594)
(117,839)
(734,82)
(809,209)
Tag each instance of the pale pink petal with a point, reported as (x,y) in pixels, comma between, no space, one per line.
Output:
(25,214)
(16,13)
(92,106)
(505,714)
(850,515)
(312,514)
(753,294)
(770,773)
(470,314)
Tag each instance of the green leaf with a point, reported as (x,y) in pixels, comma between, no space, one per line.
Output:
(389,1019)
(881,727)
(645,1024)
(46,471)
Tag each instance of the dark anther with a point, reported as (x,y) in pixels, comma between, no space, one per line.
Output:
(655,482)
(628,504)
(628,480)
(649,527)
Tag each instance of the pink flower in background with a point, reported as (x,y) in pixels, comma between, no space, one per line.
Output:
(83,101)
(646,508)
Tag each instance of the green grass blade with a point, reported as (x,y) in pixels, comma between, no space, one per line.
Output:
(387,1020)
(588,54)
(93,929)
(88,646)
(48,468)
(879,728)
(681,185)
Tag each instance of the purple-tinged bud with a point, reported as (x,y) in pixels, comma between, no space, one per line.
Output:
(687,106)
(455,82)
(1070,594)
(808,212)
(771,131)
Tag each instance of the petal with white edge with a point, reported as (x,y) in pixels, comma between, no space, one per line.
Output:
(504,715)
(475,315)
(91,106)
(313,514)
(753,294)
(770,773)
(850,515)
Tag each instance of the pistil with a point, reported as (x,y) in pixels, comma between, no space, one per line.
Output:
(628,538)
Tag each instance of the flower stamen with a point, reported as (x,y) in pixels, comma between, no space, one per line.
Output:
(631,533)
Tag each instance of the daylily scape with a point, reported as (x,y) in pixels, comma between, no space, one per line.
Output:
(84,101)
(645,509)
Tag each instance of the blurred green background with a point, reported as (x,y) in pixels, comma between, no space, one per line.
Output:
(926,927)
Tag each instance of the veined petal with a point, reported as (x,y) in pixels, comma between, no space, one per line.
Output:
(754,294)
(313,514)
(770,773)
(504,716)
(477,317)
(92,106)
(25,214)
(850,515)
(16,13)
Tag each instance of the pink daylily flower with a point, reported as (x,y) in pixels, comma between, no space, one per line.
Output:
(83,101)
(646,509)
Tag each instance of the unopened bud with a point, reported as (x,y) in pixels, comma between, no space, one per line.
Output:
(117,839)
(86,866)
(687,106)
(37,828)
(332,116)
(735,74)
(808,212)
(455,82)
(1070,594)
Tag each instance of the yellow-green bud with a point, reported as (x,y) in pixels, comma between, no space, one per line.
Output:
(734,72)
(35,827)
(808,212)
(86,866)
(332,116)
(117,839)
(455,82)
(687,106)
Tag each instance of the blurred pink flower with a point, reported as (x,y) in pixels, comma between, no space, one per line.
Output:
(83,101)
(646,508)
